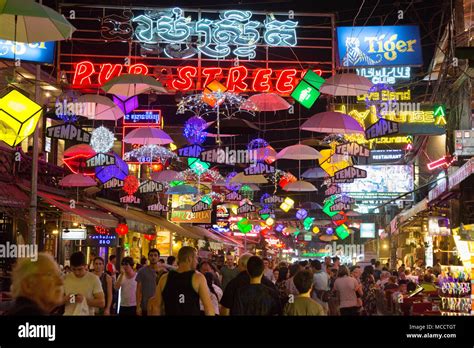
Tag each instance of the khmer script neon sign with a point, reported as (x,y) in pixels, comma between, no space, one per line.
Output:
(233,33)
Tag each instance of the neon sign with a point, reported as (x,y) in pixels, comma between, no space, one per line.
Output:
(143,116)
(233,33)
(186,78)
(444,162)
(385,75)
(39,52)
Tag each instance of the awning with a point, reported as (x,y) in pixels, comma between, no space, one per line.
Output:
(79,214)
(405,215)
(143,222)
(12,197)
(454,179)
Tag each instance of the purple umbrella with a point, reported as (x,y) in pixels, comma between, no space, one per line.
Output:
(332,122)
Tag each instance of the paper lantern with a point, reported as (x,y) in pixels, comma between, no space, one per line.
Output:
(315,229)
(19,116)
(308,222)
(301,214)
(279,228)
(287,204)
(149,237)
(286,179)
(197,166)
(207,199)
(342,231)
(131,184)
(213,93)
(329,230)
(121,229)
(341,218)
(102,139)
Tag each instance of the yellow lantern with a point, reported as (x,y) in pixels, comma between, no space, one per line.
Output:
(315,229)
(287,204)
(269,221)
(19,116)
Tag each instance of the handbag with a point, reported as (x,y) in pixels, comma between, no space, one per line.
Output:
(323,295)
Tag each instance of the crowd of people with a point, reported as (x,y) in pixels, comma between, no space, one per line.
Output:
(187,285)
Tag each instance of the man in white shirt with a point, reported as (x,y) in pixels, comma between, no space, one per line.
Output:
(320,284)
(81,285)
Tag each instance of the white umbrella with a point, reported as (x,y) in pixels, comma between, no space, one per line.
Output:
(249,179)
(299,186)
(30,22)
(104,108)
(314,173)
(147,136)
(128,85)
(298,152)
(346,84)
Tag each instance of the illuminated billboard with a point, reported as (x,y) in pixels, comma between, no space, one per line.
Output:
(382,183)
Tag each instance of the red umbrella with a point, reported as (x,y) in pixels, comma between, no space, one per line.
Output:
(266,102)
(77,180)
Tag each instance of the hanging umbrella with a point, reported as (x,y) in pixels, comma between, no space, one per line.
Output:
(298,152)
(331,163)
(352,213)
(266,102)
(128,85)
(299,186)
(147,136)
(314,173)
(347,84)
(104,108)
(30,22)
(249,179)
(322,222)
(119,170)
(77,180)
(166,175)
(182,190)
(332,122)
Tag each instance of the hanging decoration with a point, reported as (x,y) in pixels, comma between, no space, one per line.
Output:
(150,237)
(197,166)
(301,214)
(287,204)
(194,130)
(121,229)
(244,225)
(131,184)
(149,153)
(102,140)
(232,186)
(378,97)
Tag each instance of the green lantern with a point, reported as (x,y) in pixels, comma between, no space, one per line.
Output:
(244,225)
(197,166)
(307,91)
(342,231)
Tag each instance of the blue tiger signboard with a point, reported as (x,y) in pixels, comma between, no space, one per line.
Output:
(379,46)
(39,52)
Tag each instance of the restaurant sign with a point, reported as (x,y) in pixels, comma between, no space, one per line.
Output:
(187,216)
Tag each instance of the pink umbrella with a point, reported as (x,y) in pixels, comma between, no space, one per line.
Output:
(102,107)
(77,180)
(332,122)
(347,84)
(165,175)
(147,136)
(266,102)
(300,186)
(299,152)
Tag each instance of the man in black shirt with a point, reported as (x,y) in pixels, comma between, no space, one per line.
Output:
(242,279)
(256,298)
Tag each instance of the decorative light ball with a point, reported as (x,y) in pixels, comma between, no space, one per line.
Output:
(131,184)
(315,229)
(102,139)
(329,230)
(232,186)
(194,130)
(301,214)
(121,229)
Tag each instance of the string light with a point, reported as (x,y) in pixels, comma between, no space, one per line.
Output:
(194,130)
(150,153)
(102,139)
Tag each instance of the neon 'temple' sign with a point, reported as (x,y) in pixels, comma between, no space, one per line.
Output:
(234,32)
